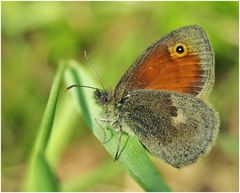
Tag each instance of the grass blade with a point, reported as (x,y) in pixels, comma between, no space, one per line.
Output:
(133,156)
(40,175)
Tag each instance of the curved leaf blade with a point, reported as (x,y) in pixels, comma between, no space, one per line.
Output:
(133,156)
(41,176)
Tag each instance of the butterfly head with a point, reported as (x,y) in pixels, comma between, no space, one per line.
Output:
(102,97)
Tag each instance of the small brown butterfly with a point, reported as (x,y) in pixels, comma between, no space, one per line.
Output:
(161,98)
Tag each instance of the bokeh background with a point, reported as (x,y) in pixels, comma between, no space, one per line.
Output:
(37,35)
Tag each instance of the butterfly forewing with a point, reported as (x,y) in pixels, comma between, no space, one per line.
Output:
(182,61)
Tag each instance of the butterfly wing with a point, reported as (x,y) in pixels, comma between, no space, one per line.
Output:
(178,128)
(182,61)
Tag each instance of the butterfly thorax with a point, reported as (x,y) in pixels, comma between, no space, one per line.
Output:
(112,108)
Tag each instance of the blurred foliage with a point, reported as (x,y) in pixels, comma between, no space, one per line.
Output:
(36,35)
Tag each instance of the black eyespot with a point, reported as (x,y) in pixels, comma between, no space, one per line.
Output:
(180,49)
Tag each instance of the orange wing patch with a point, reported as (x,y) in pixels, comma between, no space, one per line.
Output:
(165,69)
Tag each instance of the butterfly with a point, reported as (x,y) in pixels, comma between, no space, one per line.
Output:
(161,99)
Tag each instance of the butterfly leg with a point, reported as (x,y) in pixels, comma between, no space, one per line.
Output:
(103,129)
(119,143)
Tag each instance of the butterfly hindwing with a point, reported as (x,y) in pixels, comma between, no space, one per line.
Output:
(164,123)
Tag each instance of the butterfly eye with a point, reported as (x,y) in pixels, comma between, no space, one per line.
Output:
(180,50)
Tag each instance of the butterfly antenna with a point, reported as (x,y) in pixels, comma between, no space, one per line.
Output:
(91,64)
(78,85)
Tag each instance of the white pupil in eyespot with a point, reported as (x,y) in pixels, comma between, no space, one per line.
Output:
(180,49)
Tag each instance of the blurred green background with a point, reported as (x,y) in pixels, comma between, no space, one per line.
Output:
(37,35)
